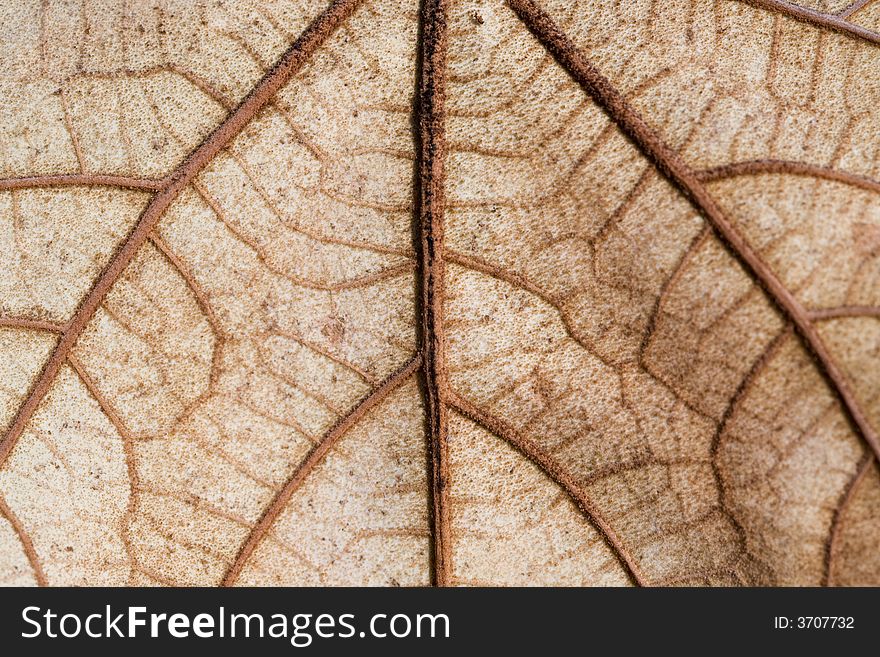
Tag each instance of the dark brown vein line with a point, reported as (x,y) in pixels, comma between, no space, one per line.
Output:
(84,180)
(521,282)
(510,277)
(314,457)
(68,124)
(616,469)
(32,324)
(326,353)
(864,467)
(184,272)
(829,21)
(771,350)
(431,207)
(125,436)
(160,579)
(200,83)
(557,474)
(843,312)
(106,407)
(292,60)
(26,542)
(756,167)
(673,167)
(198,503)
(848,11)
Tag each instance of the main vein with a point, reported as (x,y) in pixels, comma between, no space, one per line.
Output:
(431,202)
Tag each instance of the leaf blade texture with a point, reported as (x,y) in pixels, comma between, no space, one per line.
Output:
(452,292)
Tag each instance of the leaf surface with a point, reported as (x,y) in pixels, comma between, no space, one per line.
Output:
(457,293)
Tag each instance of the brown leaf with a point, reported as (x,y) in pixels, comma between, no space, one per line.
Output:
(459,292)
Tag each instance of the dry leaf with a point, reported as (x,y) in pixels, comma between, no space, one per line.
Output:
(472,292)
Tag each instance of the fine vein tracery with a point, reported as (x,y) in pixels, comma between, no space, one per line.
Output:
(671,165)
(439,399)
(261,94)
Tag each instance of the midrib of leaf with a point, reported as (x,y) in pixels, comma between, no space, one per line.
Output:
(439,397)
(430,357)
(431,206)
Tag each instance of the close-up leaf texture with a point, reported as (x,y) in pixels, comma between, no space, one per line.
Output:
(450,292)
